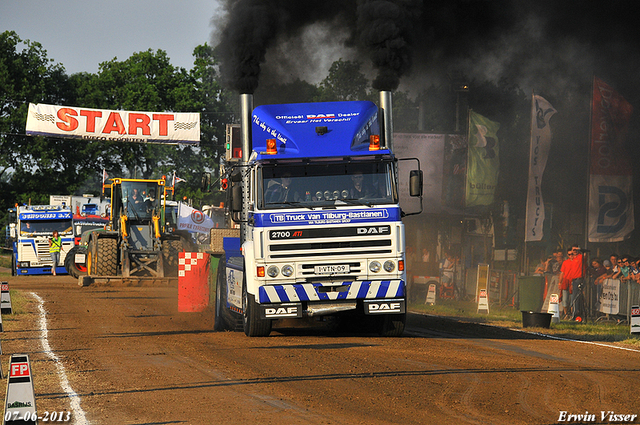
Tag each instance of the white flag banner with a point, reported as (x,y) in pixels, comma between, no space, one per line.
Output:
(610,215)
(117,126)
(541,113)
(193,220)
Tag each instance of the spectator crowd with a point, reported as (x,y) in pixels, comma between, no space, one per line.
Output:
(572,272)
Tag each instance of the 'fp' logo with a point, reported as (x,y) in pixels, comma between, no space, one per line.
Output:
(19,369)
(197,217)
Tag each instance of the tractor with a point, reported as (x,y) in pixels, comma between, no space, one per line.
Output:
(136,242)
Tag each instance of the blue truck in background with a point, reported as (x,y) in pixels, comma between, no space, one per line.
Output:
(33,228)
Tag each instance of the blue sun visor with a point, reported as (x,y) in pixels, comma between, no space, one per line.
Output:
(320,130)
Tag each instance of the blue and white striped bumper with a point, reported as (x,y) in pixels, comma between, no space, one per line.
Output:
(359,290)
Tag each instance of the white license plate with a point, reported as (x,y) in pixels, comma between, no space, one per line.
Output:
(344,268)
(80,258)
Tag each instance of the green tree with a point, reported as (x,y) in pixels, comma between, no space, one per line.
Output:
(35,164)
(213,103)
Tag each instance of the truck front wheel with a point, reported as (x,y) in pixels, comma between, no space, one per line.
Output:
(221,298)
(392,325)
(252,323)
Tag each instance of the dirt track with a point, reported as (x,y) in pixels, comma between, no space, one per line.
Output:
(132,358)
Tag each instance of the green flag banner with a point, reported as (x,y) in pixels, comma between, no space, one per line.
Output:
(483,161)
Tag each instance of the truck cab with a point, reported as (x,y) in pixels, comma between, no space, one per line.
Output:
(321,226)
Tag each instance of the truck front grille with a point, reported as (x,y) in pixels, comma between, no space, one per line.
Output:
(330,248)
(42,251)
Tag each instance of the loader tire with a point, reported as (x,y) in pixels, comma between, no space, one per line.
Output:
(106,261)
(170,250)
(75,269)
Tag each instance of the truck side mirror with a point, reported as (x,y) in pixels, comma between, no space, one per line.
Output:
(415,183)
(236,192)
(236,198)
(205,184)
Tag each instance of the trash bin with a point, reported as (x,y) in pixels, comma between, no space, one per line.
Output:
(536,320)
(531,293)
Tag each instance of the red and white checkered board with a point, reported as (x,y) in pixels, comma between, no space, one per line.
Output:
(188,261)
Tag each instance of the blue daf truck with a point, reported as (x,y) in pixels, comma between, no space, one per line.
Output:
(315,191)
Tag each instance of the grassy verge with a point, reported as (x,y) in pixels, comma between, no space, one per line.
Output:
(509,317)
(5,259)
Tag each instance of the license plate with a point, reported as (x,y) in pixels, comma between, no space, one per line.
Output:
(344,268)
(80,258)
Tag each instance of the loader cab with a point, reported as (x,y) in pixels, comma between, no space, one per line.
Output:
(137,200)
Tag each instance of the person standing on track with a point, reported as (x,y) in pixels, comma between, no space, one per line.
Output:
(55,244)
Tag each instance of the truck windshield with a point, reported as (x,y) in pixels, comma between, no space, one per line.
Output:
(139,199)
(317,185)
(45,227)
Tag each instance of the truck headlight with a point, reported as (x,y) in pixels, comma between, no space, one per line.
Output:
(389,266)
(272,271)
(375,266)
(287,271)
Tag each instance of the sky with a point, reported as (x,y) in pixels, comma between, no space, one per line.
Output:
(80,34)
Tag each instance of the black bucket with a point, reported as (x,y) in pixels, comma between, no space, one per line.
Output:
(531,319)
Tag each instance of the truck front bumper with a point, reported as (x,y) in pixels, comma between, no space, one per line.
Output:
(311,299)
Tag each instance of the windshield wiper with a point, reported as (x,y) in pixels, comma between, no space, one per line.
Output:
(294,204)
(355,202)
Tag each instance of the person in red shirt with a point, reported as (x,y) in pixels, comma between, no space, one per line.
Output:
(570,277)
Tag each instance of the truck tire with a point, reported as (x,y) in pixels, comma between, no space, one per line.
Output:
(75,269)
(221,296)
(392,325)
(14,268)
(224,316)
(251,321)
(106,261)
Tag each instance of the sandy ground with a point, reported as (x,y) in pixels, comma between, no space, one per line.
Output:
(130,357)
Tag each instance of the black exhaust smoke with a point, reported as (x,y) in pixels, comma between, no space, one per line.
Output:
(385,29)
(380,29)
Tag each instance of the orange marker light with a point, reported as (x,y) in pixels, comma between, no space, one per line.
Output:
(401,265)
(271,147)
(260,271)
(374,142)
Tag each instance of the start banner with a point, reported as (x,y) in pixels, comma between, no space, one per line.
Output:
(117,126)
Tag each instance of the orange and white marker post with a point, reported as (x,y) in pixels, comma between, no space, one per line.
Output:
(20,401)
(431,294)
(635,320)
(483,301)
(554,308)
(5,298)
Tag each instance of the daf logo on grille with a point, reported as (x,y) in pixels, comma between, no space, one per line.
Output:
(373,230)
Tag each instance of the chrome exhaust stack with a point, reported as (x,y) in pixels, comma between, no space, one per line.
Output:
(387,118)
(246,109)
